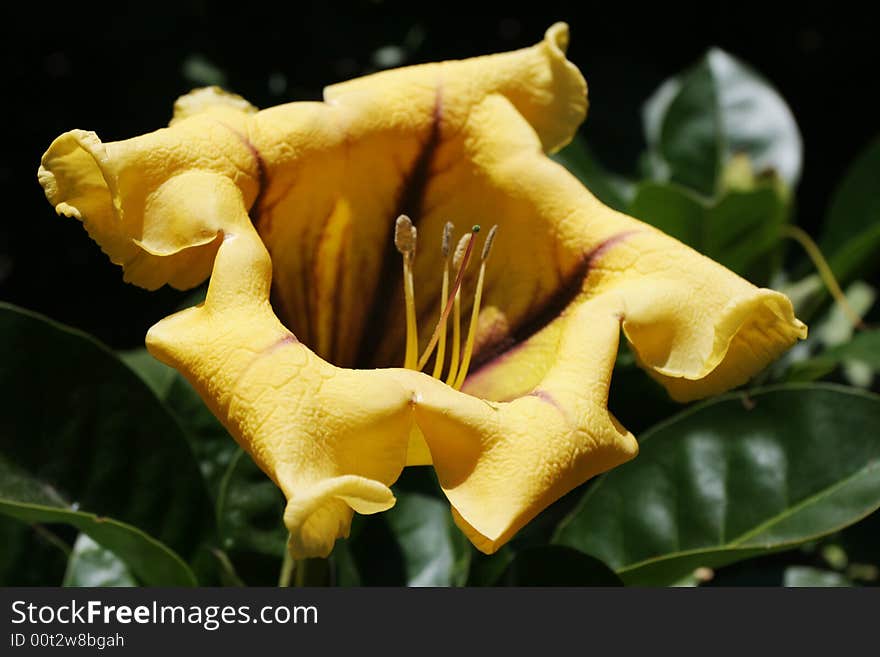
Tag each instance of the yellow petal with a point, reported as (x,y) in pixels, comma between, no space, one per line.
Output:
(136,197)
(340,172)
(330,447)
(501,464)
(323,182)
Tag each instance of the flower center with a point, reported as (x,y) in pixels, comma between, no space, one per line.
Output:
(405,237)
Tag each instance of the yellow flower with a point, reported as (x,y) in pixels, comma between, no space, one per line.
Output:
(291,213)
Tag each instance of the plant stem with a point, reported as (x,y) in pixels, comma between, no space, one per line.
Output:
(287,568)
(825,273)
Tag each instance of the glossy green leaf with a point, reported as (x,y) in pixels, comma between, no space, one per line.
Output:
(83,441)
(697,120)
(738,230)
(734,478)
(851,236)
(555,565)
(424,531)
(610,188)
(93,565)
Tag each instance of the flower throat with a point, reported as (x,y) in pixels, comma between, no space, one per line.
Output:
(405,236)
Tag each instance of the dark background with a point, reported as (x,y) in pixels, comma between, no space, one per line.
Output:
(117,70)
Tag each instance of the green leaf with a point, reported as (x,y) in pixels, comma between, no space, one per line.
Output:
(813,577)
(423,529)
(738,230)
(610,188)
(858,256)
(92,565)
(212,445)
(734,478)
(835,327)
(415,543)
(851,234)
(250,510)
(863,349)
(158,376)
(153,562)
(31,555)
(83,441)
(487,569)
(555,565)
(675,210)
(246,502)
(695,122)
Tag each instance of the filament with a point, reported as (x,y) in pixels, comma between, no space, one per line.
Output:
(444,293)
(405,240)
(475,312)
(464,248)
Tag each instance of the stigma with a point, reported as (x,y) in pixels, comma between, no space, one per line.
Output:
(457,261)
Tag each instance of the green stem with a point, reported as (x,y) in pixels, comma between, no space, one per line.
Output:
(825,273)
(300,579)
(287,568)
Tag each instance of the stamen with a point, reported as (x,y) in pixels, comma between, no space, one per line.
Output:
(475,311)
(444,292)
(405,235)
(460,261)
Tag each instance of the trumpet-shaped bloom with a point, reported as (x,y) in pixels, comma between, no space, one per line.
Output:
(297,348)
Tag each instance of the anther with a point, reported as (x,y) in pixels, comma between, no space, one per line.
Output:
(446,239)
(405,240)
(405,235)
(487,245)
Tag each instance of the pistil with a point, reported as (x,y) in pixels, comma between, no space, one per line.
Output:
(444,293)
(459,261)
(456,313)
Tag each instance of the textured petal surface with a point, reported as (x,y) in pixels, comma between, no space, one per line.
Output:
(290,212)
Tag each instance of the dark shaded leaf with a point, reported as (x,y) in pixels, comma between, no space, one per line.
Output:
(415,543)
(851,236)
(250,510)
(31,555)
(83,441)
(555,565)
(212,445)
(612,189)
